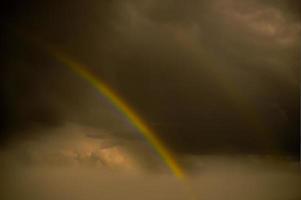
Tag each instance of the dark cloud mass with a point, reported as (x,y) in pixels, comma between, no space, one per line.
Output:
(209,76)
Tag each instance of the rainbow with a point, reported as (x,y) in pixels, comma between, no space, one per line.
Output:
(124,108)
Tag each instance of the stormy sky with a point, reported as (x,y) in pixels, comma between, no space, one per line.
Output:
(216,76)
(217,81)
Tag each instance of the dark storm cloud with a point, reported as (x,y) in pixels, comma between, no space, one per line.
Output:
(173,61)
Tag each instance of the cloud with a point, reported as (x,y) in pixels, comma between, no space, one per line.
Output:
(69,146)
(194,68)
(215,177)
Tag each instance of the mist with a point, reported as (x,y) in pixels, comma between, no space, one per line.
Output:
(68,163)
(218,178)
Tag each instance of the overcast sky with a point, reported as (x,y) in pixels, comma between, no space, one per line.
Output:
(210,77)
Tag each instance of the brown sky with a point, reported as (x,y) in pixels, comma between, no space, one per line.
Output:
(215,76)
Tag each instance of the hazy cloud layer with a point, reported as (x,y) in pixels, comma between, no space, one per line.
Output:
(218,178)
